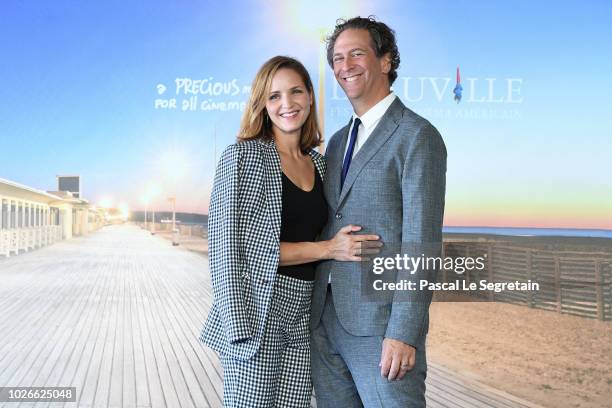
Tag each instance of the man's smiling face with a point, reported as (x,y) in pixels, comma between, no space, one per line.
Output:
(360,73)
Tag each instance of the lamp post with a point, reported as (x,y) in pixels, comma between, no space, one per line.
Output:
(175,238)
(152,192)
(174,165)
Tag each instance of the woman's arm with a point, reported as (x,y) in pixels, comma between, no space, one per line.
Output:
(344,246)
(224,251)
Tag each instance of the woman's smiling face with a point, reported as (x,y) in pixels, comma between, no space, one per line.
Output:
(288,103)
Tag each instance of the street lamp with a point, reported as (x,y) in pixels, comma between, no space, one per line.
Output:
(145,200)
(152,192)
(145,218)
(174,165)
(174,229)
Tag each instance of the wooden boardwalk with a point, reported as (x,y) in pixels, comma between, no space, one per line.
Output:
(117,314)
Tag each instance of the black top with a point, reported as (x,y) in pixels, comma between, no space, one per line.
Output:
(303,216)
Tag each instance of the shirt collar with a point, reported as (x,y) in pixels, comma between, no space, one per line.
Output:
(372,116)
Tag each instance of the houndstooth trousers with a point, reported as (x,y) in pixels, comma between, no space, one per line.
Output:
(278,375)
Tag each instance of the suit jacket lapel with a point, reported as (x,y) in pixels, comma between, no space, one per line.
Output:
(319,163)
(334,168)
(383,131)
(273,184)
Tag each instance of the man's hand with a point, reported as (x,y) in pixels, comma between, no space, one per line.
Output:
(397,359)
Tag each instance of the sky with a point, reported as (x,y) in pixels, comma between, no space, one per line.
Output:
(87,88)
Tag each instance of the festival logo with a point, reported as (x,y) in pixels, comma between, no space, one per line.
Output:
(458,88)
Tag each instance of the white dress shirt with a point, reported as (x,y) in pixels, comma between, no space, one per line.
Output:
(369,120)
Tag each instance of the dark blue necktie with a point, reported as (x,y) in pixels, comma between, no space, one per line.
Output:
(349,153)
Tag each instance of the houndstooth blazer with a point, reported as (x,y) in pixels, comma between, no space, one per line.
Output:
(244,224)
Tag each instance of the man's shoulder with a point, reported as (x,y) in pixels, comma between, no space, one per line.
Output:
(406,116)
(412,123)
(336,138)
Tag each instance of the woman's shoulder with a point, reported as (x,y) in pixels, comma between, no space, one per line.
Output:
(241,146)
(243,150)
(248,145)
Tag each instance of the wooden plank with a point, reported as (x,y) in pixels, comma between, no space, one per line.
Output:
(63,326)
(128,387)
(481,387)
(181,310)
(79,361)
(162,387)
(120,349)
(90,393)
(139,370)
(179,362)
(155,396)
(70,355)
(459,397)
(29,337)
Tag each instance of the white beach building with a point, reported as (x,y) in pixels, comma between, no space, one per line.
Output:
(31,218)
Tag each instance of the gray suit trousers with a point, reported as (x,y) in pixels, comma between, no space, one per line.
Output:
(335,354)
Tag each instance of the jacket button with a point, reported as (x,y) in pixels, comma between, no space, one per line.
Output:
(338,216)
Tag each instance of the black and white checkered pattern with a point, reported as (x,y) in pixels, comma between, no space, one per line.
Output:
(278,375)
(244,248)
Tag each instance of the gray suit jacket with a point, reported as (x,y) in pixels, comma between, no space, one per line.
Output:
(244,224)
(394,188)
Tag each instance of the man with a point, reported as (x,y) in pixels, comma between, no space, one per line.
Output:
(386,173)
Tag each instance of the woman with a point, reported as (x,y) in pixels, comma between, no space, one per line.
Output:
(267,207)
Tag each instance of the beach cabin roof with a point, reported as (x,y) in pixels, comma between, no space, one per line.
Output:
(13,189)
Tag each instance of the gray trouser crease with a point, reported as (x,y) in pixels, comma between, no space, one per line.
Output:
(346,374)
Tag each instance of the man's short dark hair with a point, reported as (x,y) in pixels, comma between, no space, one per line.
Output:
(381,36)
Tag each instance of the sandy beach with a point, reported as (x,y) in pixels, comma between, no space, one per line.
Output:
(552,359)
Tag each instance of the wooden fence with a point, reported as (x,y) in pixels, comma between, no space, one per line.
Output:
(575,280)
(15,240)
